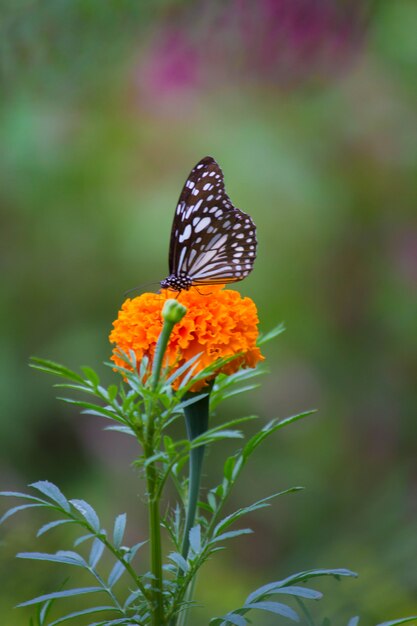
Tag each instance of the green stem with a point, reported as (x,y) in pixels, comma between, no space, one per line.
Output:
(156,548)
(152,484)
(196,421)
(161,346)
(127,567)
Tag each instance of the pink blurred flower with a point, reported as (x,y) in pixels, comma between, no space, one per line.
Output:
(171,64)
(291,40)
(277,42)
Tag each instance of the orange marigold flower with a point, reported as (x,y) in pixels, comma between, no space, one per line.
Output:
(219,323)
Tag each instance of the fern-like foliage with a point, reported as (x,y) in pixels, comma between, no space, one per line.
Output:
(146,411)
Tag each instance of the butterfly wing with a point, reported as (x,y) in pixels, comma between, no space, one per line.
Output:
(211,240)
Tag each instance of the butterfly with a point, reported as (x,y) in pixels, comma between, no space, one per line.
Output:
(212,242)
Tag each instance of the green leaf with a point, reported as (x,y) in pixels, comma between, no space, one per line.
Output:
(276,587)
(129,358)
(97,609)
(132,597)
(119,529)
(96,552)
(91,375)
(81,540)
(195,539)
(126,430)
(263,338)
(401,620)
(232,618)
(234,422)
(44,610)
(144,363)
(168,444)
(159,456)
(88,513)
(225,387)
(123,621)
(231,534)
(211,369)
(62,556)
(179,560)
(230,519)
(275,607)
(116,572)
(314,573)
(94,409)
(187,377)
(269,429)
(234,392)
(192,400)
(224,381)
(225,384)
(15,509)
(221,431)
(211,499)
(181,370)
(61,594)
(112,392)
(25,496)
(54,368)
(228,467)
(211,436)
(53,492)
(238,466)
(51,525)
(86,388)
(130,555)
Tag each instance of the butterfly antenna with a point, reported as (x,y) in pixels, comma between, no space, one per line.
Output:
(139,288)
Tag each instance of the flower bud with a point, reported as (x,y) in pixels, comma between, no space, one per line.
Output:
(173,311)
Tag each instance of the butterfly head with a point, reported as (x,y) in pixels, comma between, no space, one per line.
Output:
(176,283)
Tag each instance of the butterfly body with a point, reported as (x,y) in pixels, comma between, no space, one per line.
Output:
(177,282)
(212,242)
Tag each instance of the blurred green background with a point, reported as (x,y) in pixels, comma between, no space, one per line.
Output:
(309,107)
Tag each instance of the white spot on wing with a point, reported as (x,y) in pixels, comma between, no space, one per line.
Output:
(205,221)
(181,260)
(186,234)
